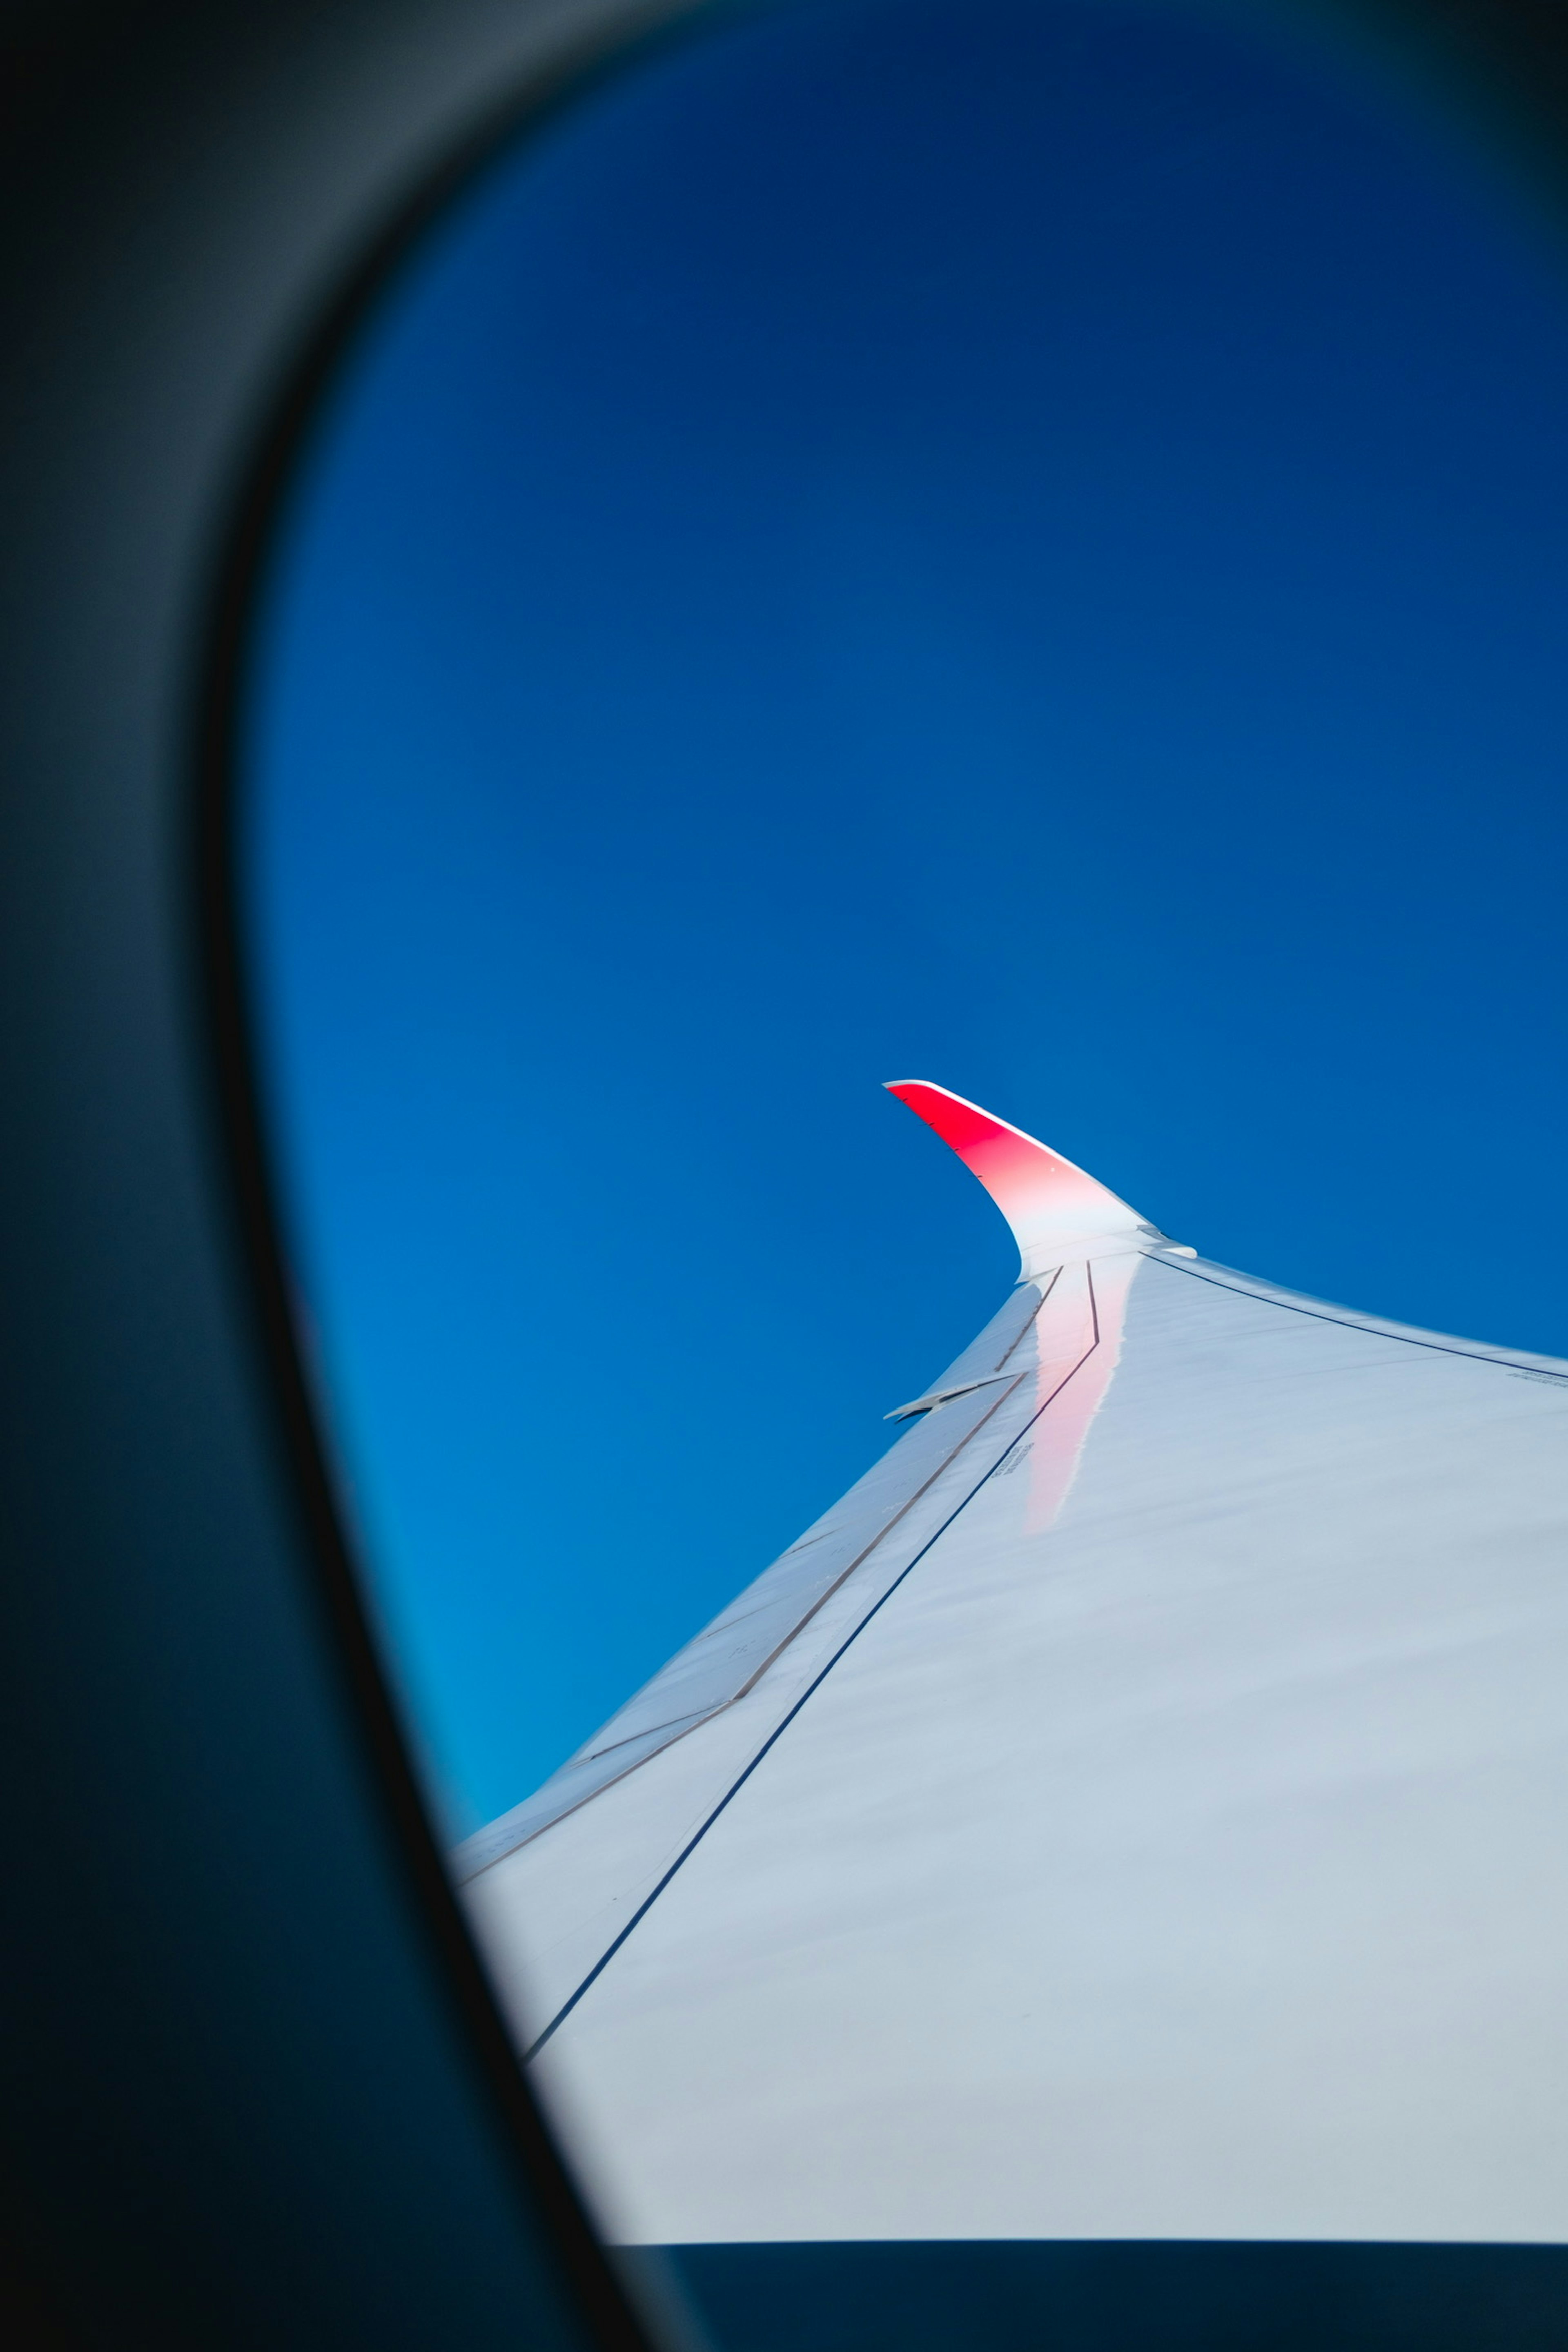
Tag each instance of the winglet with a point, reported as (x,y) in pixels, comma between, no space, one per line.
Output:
(1052,1207)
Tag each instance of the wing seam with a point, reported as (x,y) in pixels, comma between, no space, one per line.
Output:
(1373,1330)
(640,1914)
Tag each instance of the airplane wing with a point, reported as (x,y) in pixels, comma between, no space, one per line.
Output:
(1133,1812)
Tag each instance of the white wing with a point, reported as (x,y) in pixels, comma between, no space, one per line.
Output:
(1134,1812)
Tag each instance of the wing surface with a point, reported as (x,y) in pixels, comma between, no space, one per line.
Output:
(1134,1812)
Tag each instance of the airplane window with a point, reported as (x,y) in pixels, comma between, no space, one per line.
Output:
(1019,550)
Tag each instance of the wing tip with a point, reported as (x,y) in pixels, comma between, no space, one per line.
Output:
(1047,1199)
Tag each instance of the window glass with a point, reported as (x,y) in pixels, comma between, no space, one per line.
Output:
(1025,544)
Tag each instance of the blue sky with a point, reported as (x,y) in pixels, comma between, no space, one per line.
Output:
(1017,544)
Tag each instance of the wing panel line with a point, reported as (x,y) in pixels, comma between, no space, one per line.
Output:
(603,1962)
(1479,1354)
(577,1783)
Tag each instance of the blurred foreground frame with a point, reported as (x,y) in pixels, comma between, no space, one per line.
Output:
(256,2088)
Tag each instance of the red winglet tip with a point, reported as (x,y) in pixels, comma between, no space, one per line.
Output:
(1051,1205)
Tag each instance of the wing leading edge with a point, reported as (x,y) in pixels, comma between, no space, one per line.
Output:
(1060,1217)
